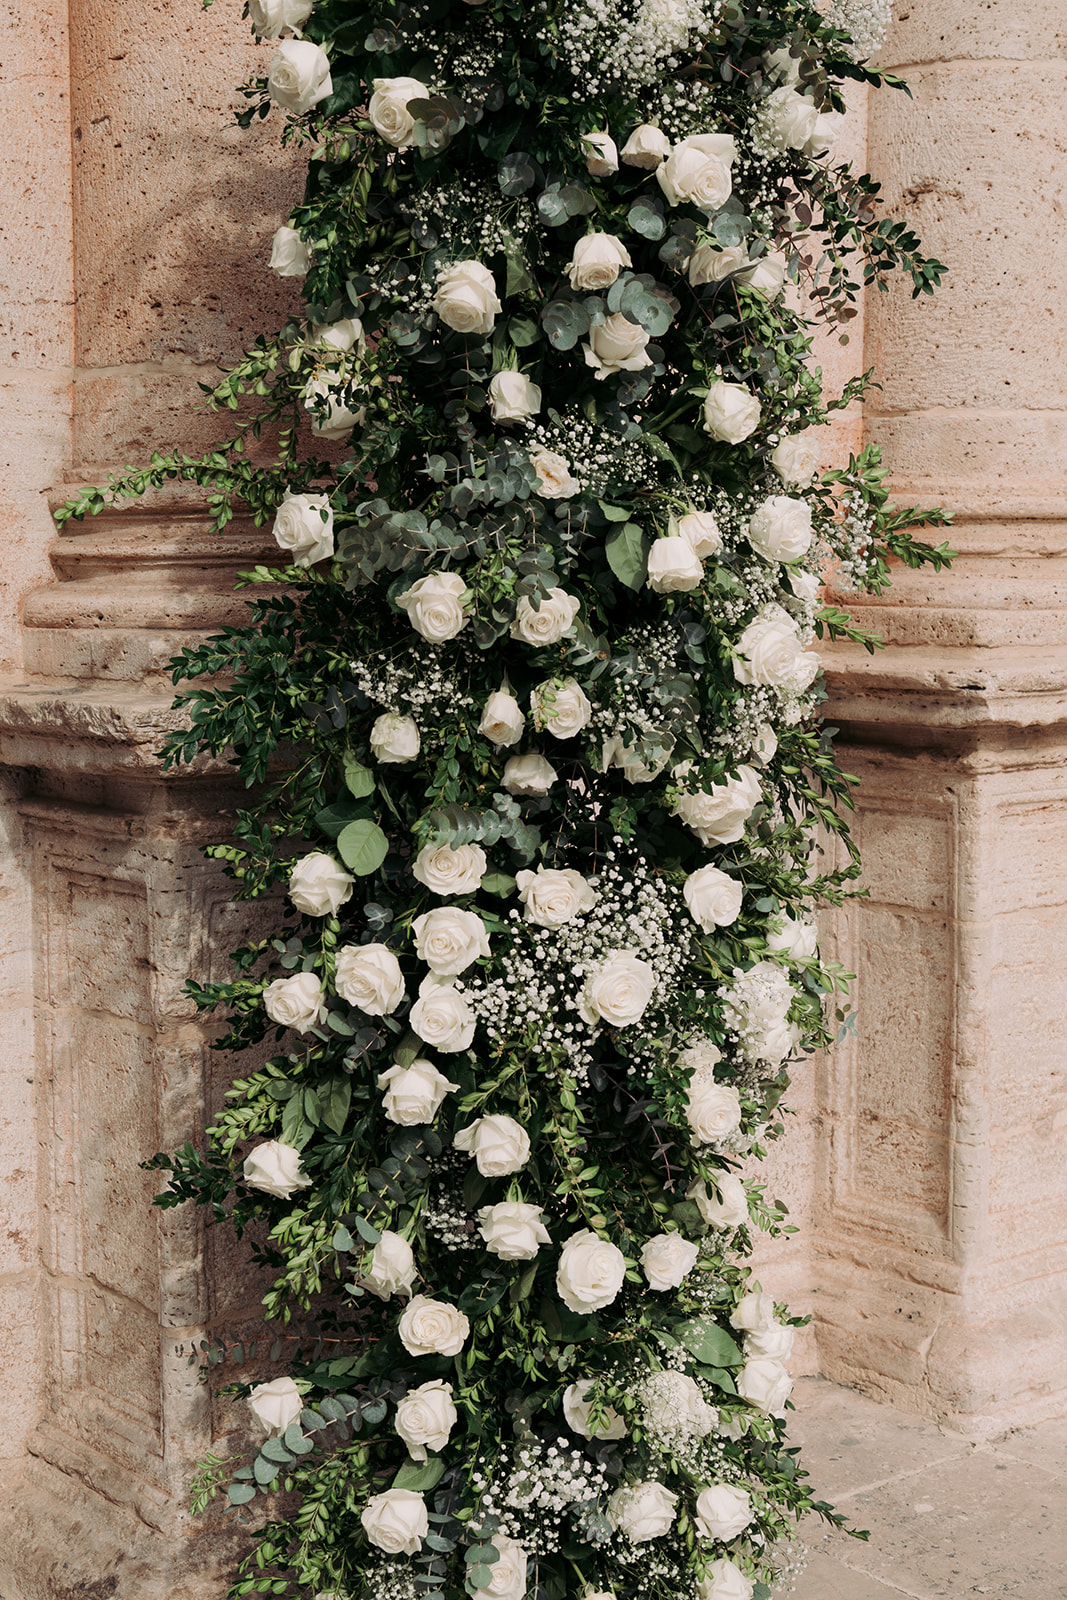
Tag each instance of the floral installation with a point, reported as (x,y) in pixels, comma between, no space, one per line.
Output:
(536,684)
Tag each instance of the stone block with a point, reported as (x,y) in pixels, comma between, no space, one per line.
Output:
(963,30)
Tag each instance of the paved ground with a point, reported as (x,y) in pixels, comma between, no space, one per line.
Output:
(948,1519)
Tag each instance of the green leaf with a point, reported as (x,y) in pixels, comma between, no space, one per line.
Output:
(550,1319)
(275,1450)
(479,1576)
(709,1343)
(239,1494)
(342,1239)
(614,513)
(719,1377)
(331,819)
(295,1440)
(499,883)
(522,332)
(367,1231)
(419,1476)
(474,1186)
(264,1470)
(522,1288)
(296,1130)
(335,1097)
(626,548)
(358,779)
(362,847)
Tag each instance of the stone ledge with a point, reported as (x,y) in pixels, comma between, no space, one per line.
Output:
(954,691)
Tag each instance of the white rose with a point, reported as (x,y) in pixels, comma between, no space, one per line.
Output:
(513,1230)
(590,1272)
(299,75)
(547,624)
(441,1017)
(301,528)
(392,1267)
(388,108)
(449,940)
(781,66)
(529,775)
(396,1521)
(276,1404)
(615,753)
(509,1571)
(701,1056)
(369,976)
(513,397)
(502,720)
(343,335)
(797,938)
(731,413)
(718,815)
(466,298)
(729,1209)
(274,1167)
(723,1512)
(269,17)
(289,255)
(768,274)
(753,1312)
(394,739)
(673,566)
(435,606)
(319,886)
(713,897)
(698,170)
(796,459)
(766,1384)
(828,125)
(674,1404)
(499,1145)
(561,707)
(618,990)
(667,1259)
(425,1417)
(700,530)
(554,895)
(725,1581)
(556,481)
(646,147)
(601,154)
(297,1002)
(780,530)
(770,653)
(617,345)
(789,119)
(642,1511)
(757,1008)
(596,261)
(577,1411)
(805,585)
(432,1328)
(450,869)
(710,265)
(413,1094)
(338,420)
(775,1342)
(765,745)
(713,1110)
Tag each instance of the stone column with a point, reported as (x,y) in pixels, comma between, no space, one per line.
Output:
(163,231)
(943,1178)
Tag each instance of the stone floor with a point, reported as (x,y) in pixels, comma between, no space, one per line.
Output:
(948,1519)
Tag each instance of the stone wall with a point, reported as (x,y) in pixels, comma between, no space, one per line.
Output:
(926,1170)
